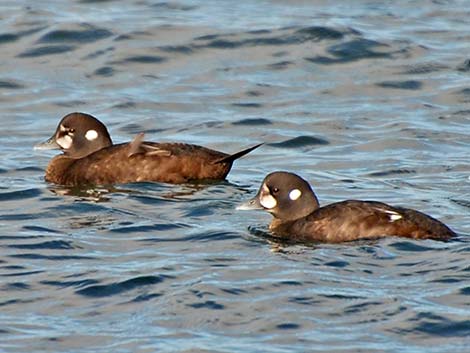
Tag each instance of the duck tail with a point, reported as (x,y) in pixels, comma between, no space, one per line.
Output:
(230,158)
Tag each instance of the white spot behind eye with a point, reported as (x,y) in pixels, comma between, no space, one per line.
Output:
(65,142)
(91,135)
(267,201)
(295,194)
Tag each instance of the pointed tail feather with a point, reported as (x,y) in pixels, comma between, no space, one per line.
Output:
(232,157)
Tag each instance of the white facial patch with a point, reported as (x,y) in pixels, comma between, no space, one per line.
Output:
(64,142)
(267,201)
(62,128)
(295,194)
(91,135)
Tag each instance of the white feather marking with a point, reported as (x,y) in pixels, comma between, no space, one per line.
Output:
(91,135)
(393,216)
(65,142)
(267,201)
(295,194)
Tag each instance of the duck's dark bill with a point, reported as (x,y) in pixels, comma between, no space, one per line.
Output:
(48,145)
(252,204)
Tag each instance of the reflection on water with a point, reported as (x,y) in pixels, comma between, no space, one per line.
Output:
(366,101)
(96,194)
(141,190)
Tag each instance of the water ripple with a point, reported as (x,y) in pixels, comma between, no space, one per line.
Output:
(368,99)
(53,244)
(65,284)
(106,290)
(11,84)
(298,36)
(89,34)
(144,59)
(356,49)
(300,141)
(408,84)
(208,304)
(33,256)
(20,194)
(46,50)
(253,122)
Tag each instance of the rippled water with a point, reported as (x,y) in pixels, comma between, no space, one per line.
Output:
(366,99)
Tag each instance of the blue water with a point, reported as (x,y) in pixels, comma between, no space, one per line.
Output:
(365,99)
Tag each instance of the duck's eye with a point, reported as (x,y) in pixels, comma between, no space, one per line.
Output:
(275,190)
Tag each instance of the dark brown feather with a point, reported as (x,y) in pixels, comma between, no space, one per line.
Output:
(353,219)
(299,217)
(91,158)
(180,163)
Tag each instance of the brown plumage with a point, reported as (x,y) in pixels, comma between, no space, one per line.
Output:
(298,216)
(89,157)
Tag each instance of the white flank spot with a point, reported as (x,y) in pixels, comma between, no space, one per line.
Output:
(91,135)
(295,194)
(64,142)
(394,216)
(267,201)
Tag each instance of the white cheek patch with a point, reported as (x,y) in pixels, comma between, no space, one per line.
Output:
(267,201)
(65,142)
(62,128)
(91,135)
(295,194)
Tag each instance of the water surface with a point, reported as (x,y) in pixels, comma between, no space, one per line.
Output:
(369,100)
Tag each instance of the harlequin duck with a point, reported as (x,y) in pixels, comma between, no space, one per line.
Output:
(299,217)
(89,157)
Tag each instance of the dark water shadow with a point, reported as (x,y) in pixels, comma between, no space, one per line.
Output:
(88,34)
(285,36)
(11,84)
(47,245)
(401,244)
(146,192)
(46,50)
(300,141)
(252,122)
(107,290)
(199,237)
(354,50)
(20,194)
(407,84)
(13,37)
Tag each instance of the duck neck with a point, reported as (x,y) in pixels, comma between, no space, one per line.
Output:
(57,167)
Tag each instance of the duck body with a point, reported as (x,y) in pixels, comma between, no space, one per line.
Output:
(180,163)
(90,157)
(354,219)
(298,216)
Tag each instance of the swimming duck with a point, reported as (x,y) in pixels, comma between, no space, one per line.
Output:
(299,217)
(90,157)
